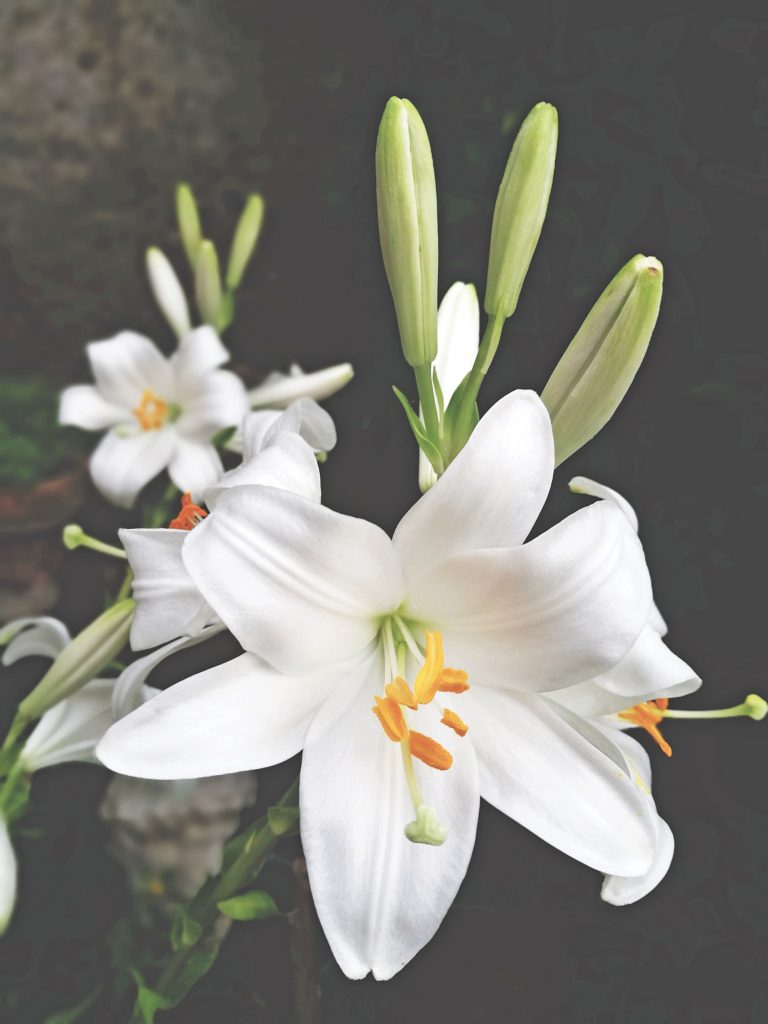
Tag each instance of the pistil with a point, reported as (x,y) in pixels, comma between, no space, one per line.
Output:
(650,713)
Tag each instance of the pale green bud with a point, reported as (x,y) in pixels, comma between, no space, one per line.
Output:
(189,222)
(426,828)
(208,283)
(595,371)
(168,292)
(407,206)
(81,660)
(244,242)
(521,206)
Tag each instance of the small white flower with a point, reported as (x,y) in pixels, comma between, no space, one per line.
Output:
(278,390)
(161,413)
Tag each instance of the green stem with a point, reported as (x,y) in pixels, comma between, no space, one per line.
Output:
(483,360)
(752,707)
(74,536)
(125,587)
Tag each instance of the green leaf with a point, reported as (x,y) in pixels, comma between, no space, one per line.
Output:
(250,906)
(455,443)
(74,1013)
(185,930)
(428,446)
(148,1002)
(283,821)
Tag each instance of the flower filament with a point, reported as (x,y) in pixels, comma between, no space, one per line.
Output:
(649,713)
(432,678)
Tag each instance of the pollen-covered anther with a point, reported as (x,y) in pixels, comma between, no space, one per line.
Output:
(648,715)
(425,686)
(189,514)
(401,692)
(429,751)
(453,680)
(392,719)
(151,411)
(452,720)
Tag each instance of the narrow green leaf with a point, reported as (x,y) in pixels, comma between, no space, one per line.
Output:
(283,820)
(250,906)
(429,448)
(185,930)
(74,1013)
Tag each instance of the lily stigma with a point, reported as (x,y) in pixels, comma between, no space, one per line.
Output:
(649,713)
(433,677)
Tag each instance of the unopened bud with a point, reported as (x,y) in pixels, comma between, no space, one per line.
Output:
(244,242)
(208,283)
(595,371)
(407,206)
(521,206)
(81,660)
(189,222)
(168,292)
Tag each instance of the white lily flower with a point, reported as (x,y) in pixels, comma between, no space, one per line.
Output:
(278,451)
(278,390)
(8,876)
(331,613)
(458,339)
(161,413)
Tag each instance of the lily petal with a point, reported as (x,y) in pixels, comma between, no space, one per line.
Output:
(8,873)
(234,717)
(295,582)
(123,463)
(650,669)
(280,389)
(491,494)
(287,463)
(168,604)
(561,609)
(304,417)
(195,466)
(83,406)
(40,636)
(458,336)
(210,403)
(126,365)
(557,779)
(70,730)
(354,807)
(199,352)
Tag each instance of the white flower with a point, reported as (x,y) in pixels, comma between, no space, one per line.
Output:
(161,412)
(330,611)
(8,874)
(458,339)
(278,451)
(280,389)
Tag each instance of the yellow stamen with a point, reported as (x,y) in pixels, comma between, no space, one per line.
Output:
(401,692)
(151,412)
(425,686)
(452,720)
(453,680)
(648,715)
(392,720)
(429,751)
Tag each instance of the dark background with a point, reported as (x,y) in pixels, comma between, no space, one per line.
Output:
(664,150)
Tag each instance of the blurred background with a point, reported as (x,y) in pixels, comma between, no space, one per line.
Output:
(663,150)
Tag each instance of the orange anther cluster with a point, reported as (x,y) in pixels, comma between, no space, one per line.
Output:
(189,514)
(151,411)
(648,715)
(433,677)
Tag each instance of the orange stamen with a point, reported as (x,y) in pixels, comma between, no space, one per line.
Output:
(151,411)
(189,514)
(453,680)
(391,717)
(452,720)
(647,715)
(401,692)
(428,751)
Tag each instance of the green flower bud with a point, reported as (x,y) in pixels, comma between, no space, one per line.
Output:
(81,660)
(244,242)
(407,205)
(208,283)
(521,206)
(189,222)
(595,371)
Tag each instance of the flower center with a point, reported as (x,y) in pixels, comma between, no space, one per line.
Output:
(189,514)
(648,715)
(152,411)
(432,678)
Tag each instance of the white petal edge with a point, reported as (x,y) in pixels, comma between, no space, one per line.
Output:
(70,730)
(37,636)
(279,389)
(82,405)
(194,467)
(288,463)
(8,877)
(125,366)
(123,464)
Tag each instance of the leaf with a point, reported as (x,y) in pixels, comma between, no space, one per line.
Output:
(250,906)
(429,448)
(148,1002)
(74,1013)
(185,930)
(283,821)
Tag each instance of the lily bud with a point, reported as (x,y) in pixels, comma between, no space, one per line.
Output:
(168,291)
(189,222)
(81,660)
(7,876)
(521,206)
(244,242)
(595,371)
(407,205)
(208,283)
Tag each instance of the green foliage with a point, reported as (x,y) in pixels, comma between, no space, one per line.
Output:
(32,444)
(250,906)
